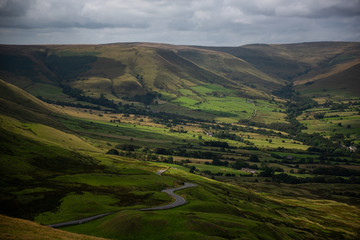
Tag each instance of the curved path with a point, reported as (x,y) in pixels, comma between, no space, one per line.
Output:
(178,202)
(162,171)
(178,199)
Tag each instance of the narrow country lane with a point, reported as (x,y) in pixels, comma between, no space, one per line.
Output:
(179,201)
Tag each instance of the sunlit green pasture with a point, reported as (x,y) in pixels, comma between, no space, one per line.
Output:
(232,108)
(133,181)
(226,106)
(275,142)
(347,123)
(76,206)
(217,169)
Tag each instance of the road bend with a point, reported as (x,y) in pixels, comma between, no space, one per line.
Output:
(179,201)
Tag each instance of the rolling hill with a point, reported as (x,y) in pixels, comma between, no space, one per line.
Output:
(145,72)
(9,230)
(119,70)
(305,63)
(23,106)
(85,128)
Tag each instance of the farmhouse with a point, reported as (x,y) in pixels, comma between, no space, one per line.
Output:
(352,149)
(249,170)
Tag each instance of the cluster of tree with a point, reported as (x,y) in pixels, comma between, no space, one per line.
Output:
(320,144)
(295,106)
(254,158)
(336,171)
(147,98)
(338,106)
(293,160)
(248,147)
(78,94)
(285,92)
(172,120)
(231,136)
(207,172)
(226,127)
(145,156)
(216,144)
(163,151)
(347,193)
(161,117)
(267,172)
(217,162)
(197,154)
(178,130)
(320,115)
(239,164)
(127,147)
(285,178)
(62,103)
(284,127)
(186,153)
(227,135)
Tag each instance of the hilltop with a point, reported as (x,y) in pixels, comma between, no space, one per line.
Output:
(333,64)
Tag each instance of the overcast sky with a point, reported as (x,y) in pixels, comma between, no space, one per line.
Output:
(186,22)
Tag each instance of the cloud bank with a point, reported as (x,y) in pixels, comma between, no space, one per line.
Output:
(199,22)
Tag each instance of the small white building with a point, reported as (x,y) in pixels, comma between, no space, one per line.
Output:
(249,170)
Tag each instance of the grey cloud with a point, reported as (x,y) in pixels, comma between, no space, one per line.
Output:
(14,8)
(350,10)
(66,14)
(296,8)
(209,22)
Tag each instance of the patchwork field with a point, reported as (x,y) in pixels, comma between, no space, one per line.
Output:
(268,133)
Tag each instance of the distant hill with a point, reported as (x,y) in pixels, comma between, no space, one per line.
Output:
(147,72)
(306,62)
(128,70)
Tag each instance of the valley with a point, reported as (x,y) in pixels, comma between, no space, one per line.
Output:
(269,134)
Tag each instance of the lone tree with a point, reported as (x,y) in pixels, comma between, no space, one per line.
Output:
(113,152)
(192,169)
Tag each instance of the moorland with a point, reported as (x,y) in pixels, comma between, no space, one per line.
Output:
(269,133)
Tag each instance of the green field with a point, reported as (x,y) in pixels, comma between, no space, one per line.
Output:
(217,169)
(226,107)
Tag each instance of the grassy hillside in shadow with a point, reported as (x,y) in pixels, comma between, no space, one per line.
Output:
(305,62)
(10,230)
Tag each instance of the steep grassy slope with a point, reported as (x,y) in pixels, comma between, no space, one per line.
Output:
(336,84)
(119,70)
(14,228)
(128,70)
(23,106)
(305,62)
(267,59)
(38,161)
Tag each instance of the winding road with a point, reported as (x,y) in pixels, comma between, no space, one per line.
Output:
(178,199)
(178,202)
